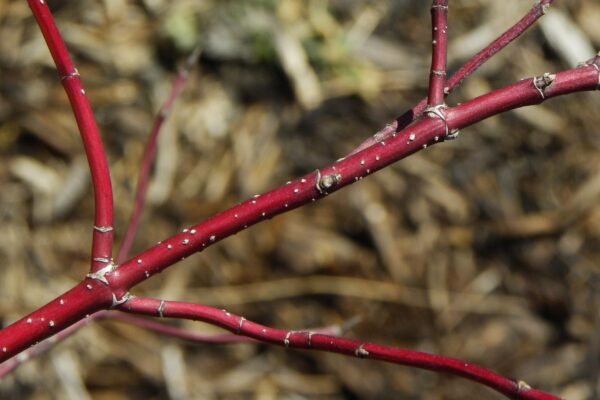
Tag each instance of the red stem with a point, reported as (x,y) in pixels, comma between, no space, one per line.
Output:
(536,12)
(195,337)
(439,52)
(180,333)
(310,187)
(319,341)
(83,300)
(10,365)
(178,84)
(102,236)
(108,289)
(91,295)
(148,159)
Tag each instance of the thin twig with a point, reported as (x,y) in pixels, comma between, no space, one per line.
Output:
(150,151)
(102,236)
(43,347)
(205,338)
(439,52)
(9,366)
(132,228)
(317,341)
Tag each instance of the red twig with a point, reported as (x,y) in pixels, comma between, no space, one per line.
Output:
(318,341)
(149,153)
(132,228)
(111,289)
(102,237)
(195,337)
(439,52)
(536,12)
(322,182)
(84,299)
(41,348)
(9,366)
(108,288)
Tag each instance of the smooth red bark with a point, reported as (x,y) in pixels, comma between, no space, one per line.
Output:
(102,236)
(439,52)
(309,340)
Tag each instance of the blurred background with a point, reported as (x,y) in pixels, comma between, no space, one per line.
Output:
(485,248)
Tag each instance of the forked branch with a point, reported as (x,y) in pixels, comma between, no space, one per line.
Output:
(9,366)
(107,288)
(536,12)
(149,153)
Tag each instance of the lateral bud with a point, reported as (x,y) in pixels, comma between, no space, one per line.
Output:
(325,182)
(360,352)
(115,302)
(541,83)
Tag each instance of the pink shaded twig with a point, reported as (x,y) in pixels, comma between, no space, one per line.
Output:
(179,333)
(439,52)
(318,341)
(102,237)
(41,348)
(535,13)
(149,153)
